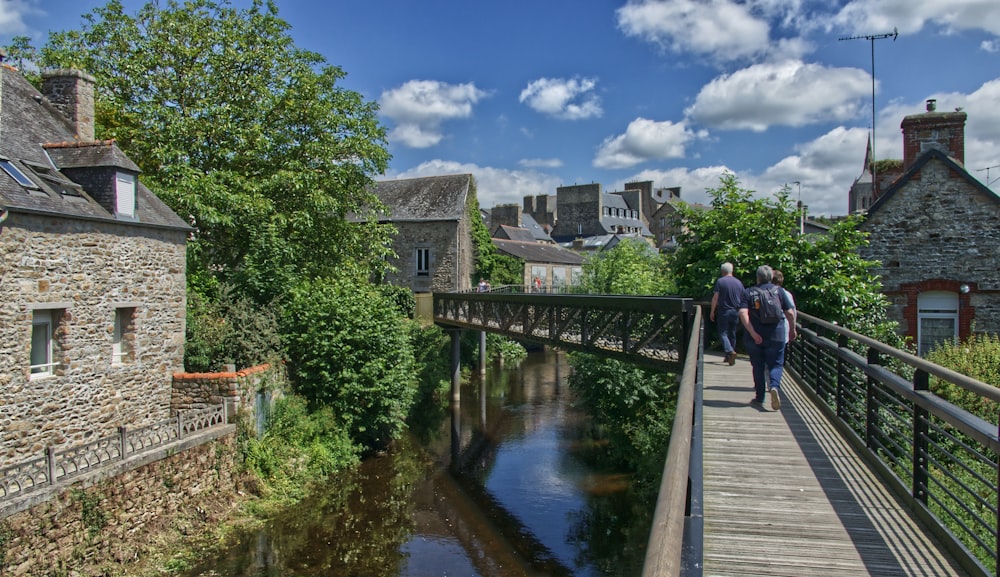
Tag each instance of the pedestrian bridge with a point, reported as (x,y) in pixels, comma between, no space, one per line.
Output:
(862,471)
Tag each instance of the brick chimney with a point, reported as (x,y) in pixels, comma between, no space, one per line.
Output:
(944,131)
(72,92)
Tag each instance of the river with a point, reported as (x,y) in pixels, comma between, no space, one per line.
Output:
(499,489)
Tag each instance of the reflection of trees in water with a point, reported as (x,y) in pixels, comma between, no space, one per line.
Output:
(611,533)
(341,530)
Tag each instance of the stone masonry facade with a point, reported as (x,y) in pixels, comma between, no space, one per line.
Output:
(83,271)
(940,234)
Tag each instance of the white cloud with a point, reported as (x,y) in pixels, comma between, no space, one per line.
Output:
(12,16)
(644,140)
(419,107)
(989,46)
(569,99)
(910,16)
(789,93)
(693,183)
(494,186)
(540,162)
(724,30)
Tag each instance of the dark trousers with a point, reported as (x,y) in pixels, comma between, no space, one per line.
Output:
(727,321)
(768,362)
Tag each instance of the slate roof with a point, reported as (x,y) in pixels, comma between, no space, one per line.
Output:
(922,160)
(41,143)
(537,230)
(424,199)
(513,233)
(537,252)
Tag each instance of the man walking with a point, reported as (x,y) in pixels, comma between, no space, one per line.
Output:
(762,309)
(726,307)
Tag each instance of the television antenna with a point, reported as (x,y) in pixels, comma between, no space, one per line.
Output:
(872,38)
(987,169)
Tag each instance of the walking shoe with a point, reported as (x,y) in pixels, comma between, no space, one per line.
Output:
(757,402)
(775,401)
(731,358)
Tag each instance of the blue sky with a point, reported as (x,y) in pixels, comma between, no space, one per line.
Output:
(528,95)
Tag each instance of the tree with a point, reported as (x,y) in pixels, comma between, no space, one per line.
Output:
(824,272)
(500,269)
(240,132)
(631,267)
(349,349)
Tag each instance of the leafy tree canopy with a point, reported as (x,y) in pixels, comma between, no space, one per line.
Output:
(824,272)
(242,133)
(631,267)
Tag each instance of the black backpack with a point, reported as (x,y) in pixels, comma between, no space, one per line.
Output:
(767,303)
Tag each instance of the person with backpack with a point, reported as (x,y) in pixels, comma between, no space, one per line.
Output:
(763,307)
(725,311)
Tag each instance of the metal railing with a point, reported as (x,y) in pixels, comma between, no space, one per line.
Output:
(650,331)
(936,455)
(63,464)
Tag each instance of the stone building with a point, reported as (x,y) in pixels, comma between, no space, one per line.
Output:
(585,211)
(433,244)
(510,216)
(92,296)
(935,232)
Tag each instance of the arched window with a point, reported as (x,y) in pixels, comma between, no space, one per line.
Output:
(937,319)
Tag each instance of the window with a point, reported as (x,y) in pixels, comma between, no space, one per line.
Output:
(16,173)
(558,276)
(123,337)
(937,319)
(44,327)
(54,180)
(125,189)
(423,258)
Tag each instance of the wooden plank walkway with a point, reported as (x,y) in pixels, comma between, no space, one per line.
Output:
(785,495)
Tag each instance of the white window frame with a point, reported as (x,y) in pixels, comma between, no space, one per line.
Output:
(935,305)
(123,336)
(422,261)
(125,186)
(43,325)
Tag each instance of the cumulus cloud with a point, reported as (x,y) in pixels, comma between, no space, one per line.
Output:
(540,162)
(569,99)
(693,183)
(644,140)
(12,16)
(789,93)
(867,17)
(419,107)
(493,185)
(723,30)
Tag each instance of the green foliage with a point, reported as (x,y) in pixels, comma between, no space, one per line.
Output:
(824,272)
(431,352)
(301,447)
(499,269)
(93,517)
(230,329)
(631,406)
(402,298)
(23,55)
(245,135)
(348,350)
(501,348)
(631,267)
(977,357)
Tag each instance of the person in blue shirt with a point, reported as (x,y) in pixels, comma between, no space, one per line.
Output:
(725,311)
(765,342)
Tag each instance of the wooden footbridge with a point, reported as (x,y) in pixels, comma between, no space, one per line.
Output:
(862,470)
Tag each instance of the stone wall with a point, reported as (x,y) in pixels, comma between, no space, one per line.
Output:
(238,389)
(105,522)
(580,209)
(83,271)
(938,231)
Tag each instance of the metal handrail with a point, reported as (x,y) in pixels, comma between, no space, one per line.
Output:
(937,456)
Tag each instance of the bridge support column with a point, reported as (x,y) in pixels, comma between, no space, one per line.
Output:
(456,365)
(482,353)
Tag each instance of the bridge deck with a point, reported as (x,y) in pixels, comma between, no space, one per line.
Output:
(786,495)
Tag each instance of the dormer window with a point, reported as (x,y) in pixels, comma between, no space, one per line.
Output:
(125,195)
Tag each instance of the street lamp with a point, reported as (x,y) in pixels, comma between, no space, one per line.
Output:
(802,216)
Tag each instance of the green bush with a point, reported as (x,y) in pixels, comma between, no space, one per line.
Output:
(226,328)
(977,357)
(348,349)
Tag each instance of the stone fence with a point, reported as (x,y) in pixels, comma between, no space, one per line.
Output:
(25,484)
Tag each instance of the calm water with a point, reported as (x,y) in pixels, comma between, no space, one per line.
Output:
(500,489)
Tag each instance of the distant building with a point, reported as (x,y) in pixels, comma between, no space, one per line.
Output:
(935,232)
(433,246)
(584,211)
(93,296)
(553,266)
(511,216)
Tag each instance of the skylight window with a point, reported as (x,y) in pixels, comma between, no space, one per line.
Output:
(16,173)
(55,180)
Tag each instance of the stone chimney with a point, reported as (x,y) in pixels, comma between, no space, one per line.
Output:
(72,92)
(506,214)
(944,131)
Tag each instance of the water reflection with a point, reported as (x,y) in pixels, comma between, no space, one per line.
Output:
(515,499)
